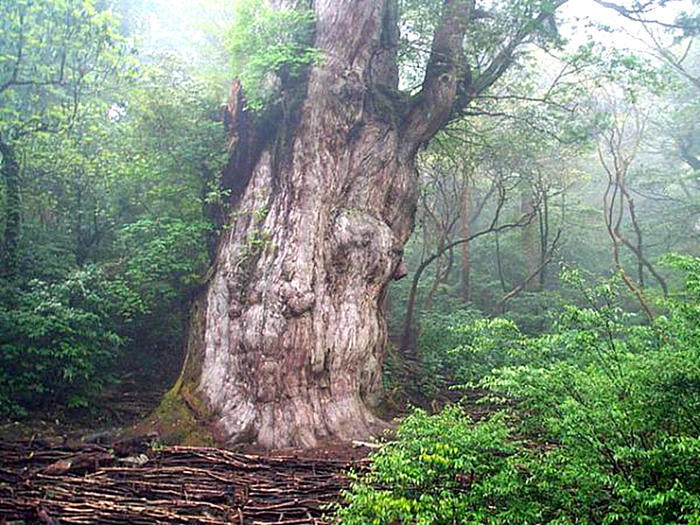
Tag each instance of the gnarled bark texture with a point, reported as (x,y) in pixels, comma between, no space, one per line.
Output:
(291,335)
(287,339)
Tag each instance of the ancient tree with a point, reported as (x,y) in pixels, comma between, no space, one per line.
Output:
(286,339)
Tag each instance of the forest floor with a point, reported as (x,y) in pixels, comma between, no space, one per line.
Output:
(71,467)
(141,484)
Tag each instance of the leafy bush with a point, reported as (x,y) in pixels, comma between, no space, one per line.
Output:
(603,430)
(439,335)
(533,312)
(459,348)
(57,340)
(441,469)
(165,257)
(266,42)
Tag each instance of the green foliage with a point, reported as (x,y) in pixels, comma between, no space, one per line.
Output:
(622,400)
(486,35)
(54,56)
(165,258)
(116,183)
(269,46)
(461,348)
(57,340)
(603,427)
(534,312)
(441,469)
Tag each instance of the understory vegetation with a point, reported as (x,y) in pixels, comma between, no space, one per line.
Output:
(108,163)
(599,422)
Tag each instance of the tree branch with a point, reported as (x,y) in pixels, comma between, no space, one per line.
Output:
(406,342)
(518,289)
(432,106)
(505,57)
(18,60)
(636,14)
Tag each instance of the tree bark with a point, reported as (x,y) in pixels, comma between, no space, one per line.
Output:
(465,231)
(11,179)
(287,337)
(287,341)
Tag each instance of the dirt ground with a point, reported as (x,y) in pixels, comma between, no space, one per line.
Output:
(74,467)
(77,467)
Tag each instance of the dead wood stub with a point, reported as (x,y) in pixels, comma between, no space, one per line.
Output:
(177,485)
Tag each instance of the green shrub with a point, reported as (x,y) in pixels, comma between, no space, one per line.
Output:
(460,348)
(166,257)
(57,340)
(266,43)
(623,408)
(441,469)
(604,428)
(437,338)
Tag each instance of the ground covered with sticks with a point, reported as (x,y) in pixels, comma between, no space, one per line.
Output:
(141,483)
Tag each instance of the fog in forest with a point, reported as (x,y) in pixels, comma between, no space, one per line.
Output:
(460,238)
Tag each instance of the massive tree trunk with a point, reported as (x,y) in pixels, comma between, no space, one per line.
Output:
(286,340)
(287,343)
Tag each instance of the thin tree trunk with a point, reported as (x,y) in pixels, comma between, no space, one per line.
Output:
(613,219)
(13,211)
(546,259)
(441,276)
(543,213)
(407,339)
(529,244)
(617,191)
(464,233)
(499,263)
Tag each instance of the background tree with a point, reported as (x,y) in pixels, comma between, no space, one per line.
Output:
(116,179)
(122,203)
(56,57)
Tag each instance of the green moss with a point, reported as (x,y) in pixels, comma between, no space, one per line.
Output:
(182,418)
(390,103)
(269,46)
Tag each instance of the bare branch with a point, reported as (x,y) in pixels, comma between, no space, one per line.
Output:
(518,289)
(636,14)
(492,228)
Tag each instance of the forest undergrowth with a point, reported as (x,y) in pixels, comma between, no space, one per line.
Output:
(517,393)
(599,420)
